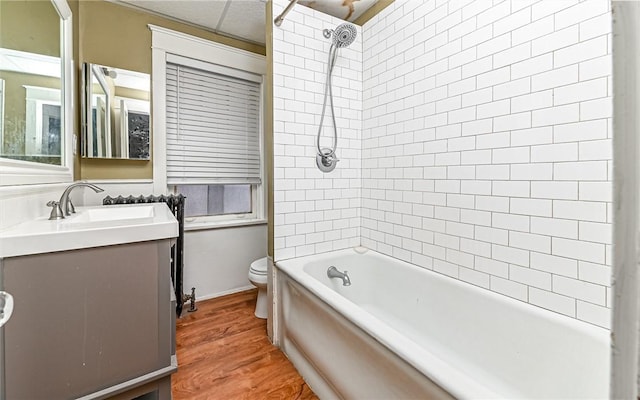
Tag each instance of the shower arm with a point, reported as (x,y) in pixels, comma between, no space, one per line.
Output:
(280,18)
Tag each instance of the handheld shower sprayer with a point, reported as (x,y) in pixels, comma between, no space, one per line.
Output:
(342,36)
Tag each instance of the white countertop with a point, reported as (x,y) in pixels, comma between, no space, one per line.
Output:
(90,227)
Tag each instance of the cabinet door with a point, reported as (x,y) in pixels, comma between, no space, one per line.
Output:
(86,320)
(6,309)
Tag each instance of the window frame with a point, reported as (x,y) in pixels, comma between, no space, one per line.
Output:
(165,42)
(223,220)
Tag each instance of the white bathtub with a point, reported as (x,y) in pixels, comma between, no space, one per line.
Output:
(402,332)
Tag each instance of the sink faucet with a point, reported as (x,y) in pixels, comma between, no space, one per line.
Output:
(333,272)
(65,202)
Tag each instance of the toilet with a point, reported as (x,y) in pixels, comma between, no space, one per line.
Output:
(258,277)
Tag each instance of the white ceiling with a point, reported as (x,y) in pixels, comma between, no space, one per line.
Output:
(243,19)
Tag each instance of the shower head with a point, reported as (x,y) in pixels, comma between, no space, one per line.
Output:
(343,35)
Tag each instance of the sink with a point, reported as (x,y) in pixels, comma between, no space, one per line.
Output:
(90,227)
(111,213)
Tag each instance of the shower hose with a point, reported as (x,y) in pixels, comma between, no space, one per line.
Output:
(331,62)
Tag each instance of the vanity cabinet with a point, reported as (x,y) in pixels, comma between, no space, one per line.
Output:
(90,323)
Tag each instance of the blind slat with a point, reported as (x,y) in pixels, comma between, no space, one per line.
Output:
(227,171)
(213,143)
(229,159)
(209,181)
(196,92)
(211,116)
(216,85)
(222,132)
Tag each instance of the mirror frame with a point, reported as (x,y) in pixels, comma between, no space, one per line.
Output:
(18,172)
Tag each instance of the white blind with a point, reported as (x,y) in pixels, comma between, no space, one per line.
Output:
(213,126)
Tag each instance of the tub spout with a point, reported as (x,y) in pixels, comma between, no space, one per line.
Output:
(333,272)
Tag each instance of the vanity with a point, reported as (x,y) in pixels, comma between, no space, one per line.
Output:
(93,315)
(86,307)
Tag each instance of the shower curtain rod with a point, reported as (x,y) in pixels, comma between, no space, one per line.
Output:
(280,18)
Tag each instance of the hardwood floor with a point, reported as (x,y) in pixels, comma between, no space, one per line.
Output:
(224,353)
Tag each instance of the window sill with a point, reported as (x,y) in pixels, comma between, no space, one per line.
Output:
(203,225)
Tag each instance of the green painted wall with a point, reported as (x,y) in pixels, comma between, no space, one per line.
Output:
(117,36)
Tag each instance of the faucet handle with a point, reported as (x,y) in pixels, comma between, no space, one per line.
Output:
(56,211)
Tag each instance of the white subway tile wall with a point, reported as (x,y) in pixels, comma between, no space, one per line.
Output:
(474,138)
(486,146)
(314,212)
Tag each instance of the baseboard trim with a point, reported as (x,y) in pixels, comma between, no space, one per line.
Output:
(220,294)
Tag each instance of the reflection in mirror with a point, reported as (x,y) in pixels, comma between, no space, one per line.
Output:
(31,123)
(1,114)
(115,113)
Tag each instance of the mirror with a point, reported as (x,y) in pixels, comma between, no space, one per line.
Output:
(115,113)
(32,123)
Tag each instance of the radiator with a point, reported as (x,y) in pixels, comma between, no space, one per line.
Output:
(176,205)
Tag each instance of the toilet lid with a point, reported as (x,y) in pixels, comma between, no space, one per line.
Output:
(259,267)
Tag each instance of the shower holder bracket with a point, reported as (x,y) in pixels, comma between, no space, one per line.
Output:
(326,160)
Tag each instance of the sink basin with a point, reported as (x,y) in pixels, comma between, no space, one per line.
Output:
(111,213)
(90,227)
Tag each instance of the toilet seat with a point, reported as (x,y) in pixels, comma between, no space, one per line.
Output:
(259,267)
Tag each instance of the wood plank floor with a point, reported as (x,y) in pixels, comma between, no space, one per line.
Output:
(224,353)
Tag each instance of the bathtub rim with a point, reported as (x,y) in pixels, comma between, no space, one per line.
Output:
(443,374)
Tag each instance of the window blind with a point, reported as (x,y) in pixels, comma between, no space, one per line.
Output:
(213,127)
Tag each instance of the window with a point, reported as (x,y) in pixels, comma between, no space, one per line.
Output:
(213,137)
(216,200)
(207,128)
